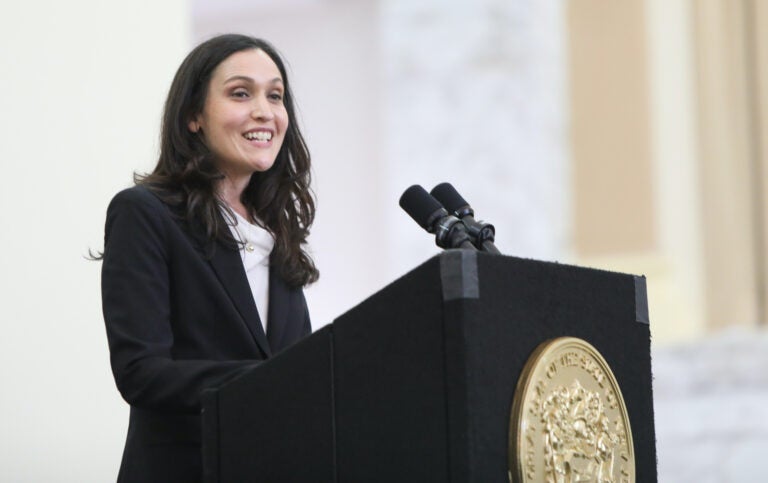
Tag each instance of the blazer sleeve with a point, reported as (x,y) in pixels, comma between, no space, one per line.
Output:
(135,301)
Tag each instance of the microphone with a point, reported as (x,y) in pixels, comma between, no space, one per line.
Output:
(449,231)
(483,234)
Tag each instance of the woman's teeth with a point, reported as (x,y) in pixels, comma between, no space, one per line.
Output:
(258,136)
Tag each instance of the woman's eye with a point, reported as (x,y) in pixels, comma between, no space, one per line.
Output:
(276,96)
(240,93)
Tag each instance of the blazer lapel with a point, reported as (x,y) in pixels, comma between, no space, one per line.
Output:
(279,296)
(229,269)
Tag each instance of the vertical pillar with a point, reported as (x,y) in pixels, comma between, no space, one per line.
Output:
(727,149)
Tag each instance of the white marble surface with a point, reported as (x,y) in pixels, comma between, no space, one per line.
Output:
(711,405)
(476,95)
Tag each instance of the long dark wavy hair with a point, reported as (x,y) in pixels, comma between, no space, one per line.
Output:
(186,176)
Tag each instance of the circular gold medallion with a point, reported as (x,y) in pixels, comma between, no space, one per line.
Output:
(569,422)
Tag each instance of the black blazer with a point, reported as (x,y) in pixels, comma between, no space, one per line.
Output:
(179,322)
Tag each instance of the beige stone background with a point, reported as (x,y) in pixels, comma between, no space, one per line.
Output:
(622,134)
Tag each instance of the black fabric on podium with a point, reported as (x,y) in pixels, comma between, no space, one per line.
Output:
(390,375)
(416,383)
(274,424)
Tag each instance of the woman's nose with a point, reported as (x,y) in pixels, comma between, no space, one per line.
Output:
(262,110)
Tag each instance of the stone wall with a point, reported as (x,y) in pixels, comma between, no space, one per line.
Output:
(476,95)
(711,403)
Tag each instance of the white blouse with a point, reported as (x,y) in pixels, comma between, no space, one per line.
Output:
(255,255)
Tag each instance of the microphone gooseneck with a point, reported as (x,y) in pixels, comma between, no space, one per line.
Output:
(481,233)
(449,231)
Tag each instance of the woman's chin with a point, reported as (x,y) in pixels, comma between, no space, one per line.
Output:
(261,166)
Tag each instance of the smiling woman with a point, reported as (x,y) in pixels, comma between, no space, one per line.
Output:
(204,260)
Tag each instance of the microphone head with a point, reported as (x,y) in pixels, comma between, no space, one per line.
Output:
(446,194)
(421,206)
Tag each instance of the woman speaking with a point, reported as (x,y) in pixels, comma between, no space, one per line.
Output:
(204,260)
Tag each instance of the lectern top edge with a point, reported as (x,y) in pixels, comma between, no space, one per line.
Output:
(460,279)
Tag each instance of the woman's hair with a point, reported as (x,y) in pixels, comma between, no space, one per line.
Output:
(186,175)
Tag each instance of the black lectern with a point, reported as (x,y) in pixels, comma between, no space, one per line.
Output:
(416,383)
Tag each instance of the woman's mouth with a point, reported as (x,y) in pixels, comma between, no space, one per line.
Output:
(262,136)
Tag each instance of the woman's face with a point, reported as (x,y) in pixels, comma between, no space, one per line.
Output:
(244,119)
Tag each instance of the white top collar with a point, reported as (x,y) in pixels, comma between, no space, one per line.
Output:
(257,246)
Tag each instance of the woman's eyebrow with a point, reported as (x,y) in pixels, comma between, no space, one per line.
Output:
(250,79)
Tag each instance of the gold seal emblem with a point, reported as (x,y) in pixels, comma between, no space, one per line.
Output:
(569,422)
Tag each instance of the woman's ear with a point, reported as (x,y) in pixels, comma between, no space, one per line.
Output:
(194,125)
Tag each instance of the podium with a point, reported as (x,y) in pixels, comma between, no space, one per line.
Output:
(415,384)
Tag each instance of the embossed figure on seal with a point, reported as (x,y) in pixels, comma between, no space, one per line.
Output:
(579,444)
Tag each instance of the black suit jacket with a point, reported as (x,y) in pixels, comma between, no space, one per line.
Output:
(179,322)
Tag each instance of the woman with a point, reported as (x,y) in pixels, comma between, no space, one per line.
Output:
(203,261)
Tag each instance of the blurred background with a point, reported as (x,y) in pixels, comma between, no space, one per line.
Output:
(627,135)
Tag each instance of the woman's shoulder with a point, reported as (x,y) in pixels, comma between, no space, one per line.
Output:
(137,222)
(138,194)
(139,200)
(144,196)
